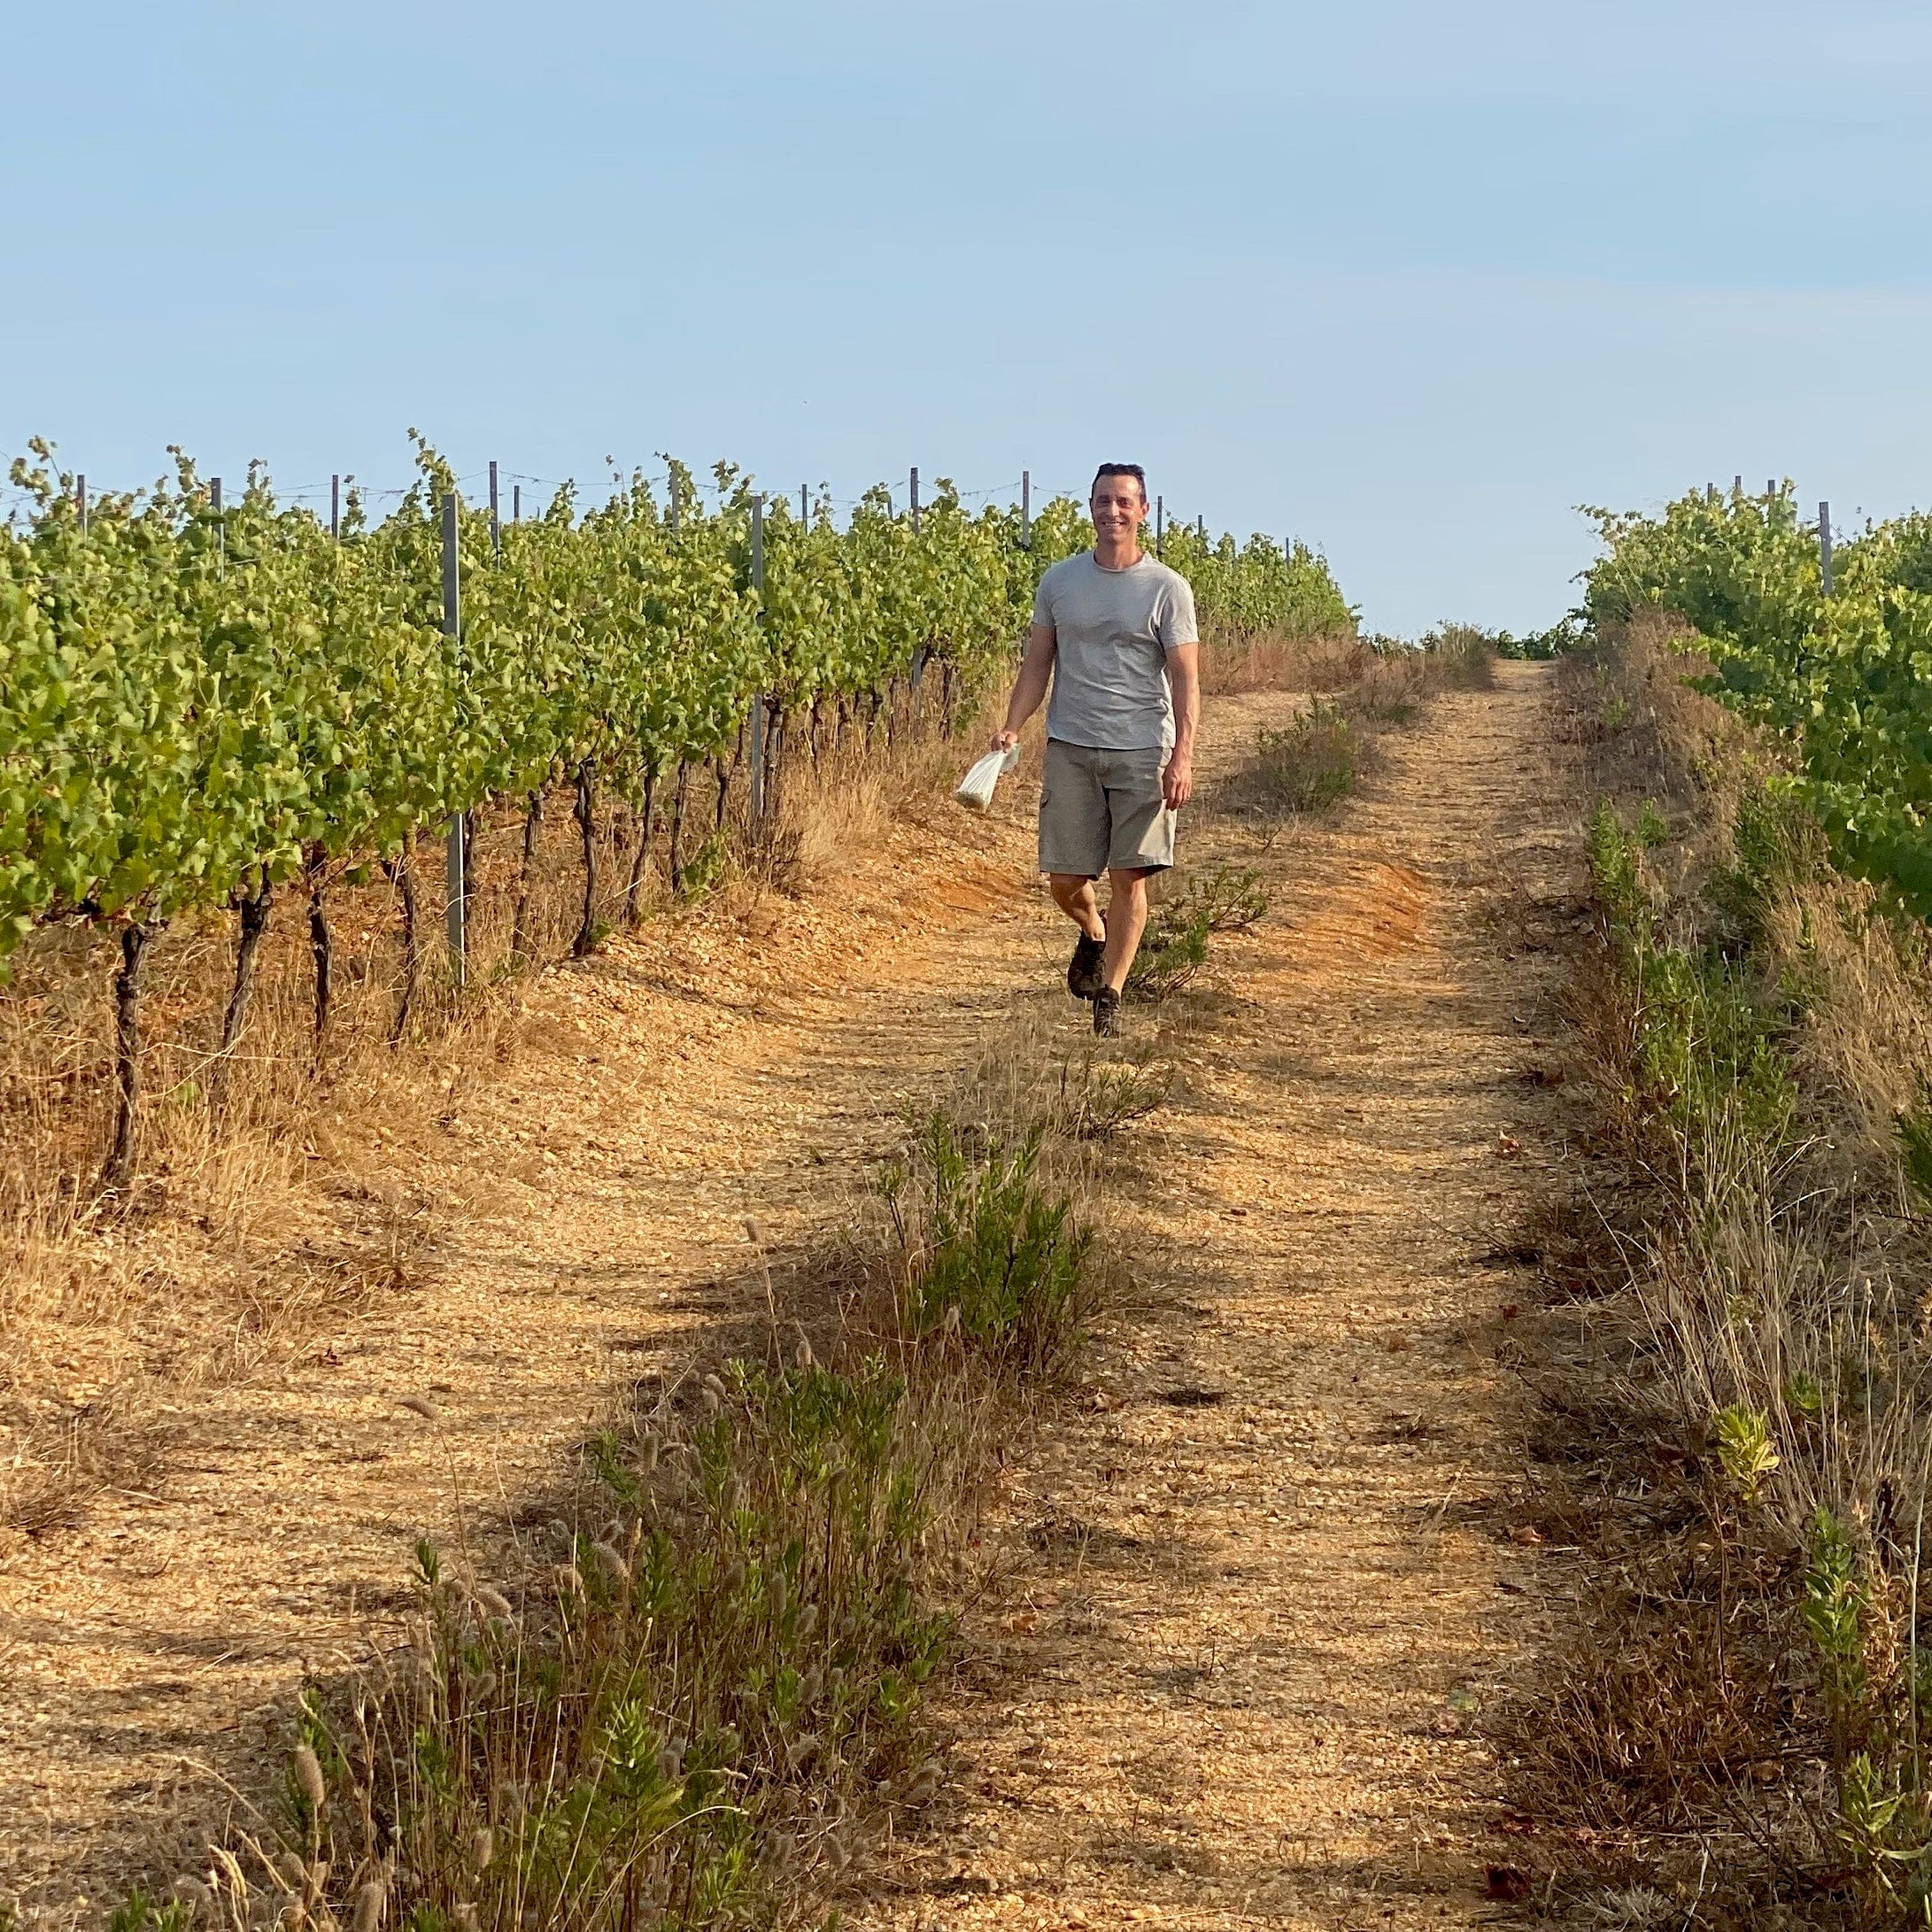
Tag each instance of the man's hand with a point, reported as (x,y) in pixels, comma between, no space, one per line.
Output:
(1004,740)
(1178,781)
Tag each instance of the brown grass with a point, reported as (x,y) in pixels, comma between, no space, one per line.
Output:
(250,1224)
(1233,660)
(657,1677)
(1758,1281)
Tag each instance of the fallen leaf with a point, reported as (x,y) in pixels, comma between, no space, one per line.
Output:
(1507,1146)
(1511,1311)
(1526,1533)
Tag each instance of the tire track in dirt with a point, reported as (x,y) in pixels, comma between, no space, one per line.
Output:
(591,1198)
(1268,1591)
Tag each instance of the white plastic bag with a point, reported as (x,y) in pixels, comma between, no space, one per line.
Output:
(976,788)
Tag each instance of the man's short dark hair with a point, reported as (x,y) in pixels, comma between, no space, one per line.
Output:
(1121,470)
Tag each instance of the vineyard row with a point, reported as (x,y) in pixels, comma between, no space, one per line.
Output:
(201,699)
(1829,647)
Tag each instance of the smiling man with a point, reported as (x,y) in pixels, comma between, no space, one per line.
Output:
(1114,633)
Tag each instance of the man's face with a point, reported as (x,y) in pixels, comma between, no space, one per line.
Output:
(1118,506)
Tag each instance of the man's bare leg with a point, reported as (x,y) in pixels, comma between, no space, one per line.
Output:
(1126,921)
(1073,894)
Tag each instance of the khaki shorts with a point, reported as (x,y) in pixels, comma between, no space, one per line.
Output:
(1103,812)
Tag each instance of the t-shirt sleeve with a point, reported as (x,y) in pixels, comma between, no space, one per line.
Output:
(1043,600)
(1178,626)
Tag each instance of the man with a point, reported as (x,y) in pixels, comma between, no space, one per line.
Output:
(1114,632)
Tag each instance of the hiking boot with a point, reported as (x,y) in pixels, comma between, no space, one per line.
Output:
(1106,1013)
(1084,969)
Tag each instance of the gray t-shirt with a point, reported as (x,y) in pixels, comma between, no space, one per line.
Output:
(1112,630)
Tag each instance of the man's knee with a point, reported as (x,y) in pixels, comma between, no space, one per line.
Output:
(1129,879)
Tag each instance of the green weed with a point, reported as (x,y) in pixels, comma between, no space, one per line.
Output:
(1708,1048)
(705,870)
(1001,1257)
(1745,1449)
(1175,946)
(140,1914)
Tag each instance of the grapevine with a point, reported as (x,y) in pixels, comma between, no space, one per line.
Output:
(199,705)
(1845,680)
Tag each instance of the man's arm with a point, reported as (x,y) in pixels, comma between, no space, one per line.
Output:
(1183,681)
(1030,687)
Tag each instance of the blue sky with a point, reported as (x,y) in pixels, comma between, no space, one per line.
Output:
(1409,281)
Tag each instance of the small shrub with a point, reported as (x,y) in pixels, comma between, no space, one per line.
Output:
(1175,946)
(1308,765)
(1387,697)
(1461,657)
(1108,1095)
(1173,949)
(999,1255)
(1616,857)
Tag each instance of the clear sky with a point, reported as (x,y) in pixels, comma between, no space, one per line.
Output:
(1409,280)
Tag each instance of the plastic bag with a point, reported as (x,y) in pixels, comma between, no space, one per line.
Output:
(976,788)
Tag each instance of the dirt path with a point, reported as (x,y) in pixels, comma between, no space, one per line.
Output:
(1271,1587)
(591,1201)
(1259,1626)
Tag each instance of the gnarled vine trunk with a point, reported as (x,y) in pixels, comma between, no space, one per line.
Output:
(119,1167)
(526,880)
(633,897)
(403,880)
(586,939)
(775,736)
(678,825)
(253,908)
(321,942)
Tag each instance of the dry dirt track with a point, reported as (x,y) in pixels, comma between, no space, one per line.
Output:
(1264,1628)
(1258,1628)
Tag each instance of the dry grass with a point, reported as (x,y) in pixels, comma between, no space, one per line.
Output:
(268,1199)
(701,1692)
(1318,760)
(1233,662)
(1754,1033)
